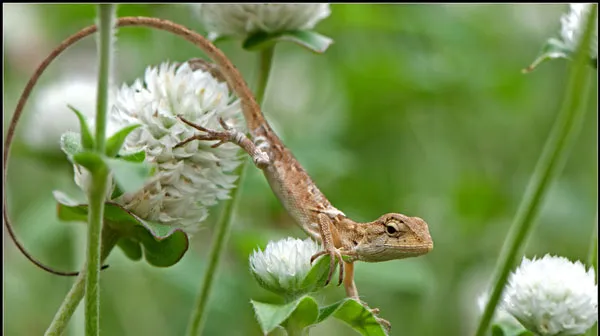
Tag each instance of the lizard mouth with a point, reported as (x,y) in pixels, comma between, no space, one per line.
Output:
(384,252)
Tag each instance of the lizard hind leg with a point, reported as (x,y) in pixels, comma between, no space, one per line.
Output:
(260,157)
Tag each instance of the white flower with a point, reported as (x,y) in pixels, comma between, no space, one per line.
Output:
(241,20)
(51,117)
(501,316)
(553,296)
(573,27)
(187,179)
(284,264)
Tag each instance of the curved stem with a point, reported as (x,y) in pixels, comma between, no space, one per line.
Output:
(100,177)
(223,225)
(71,301)
(558,146)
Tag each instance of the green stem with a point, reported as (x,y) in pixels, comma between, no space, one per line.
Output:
(221,234)
(593,262)
(264,70)
(100,177)
(555,152)
(71,301)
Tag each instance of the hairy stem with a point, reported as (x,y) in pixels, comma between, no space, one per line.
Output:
(221,234)
(100,177)
(71,301)
(556,150)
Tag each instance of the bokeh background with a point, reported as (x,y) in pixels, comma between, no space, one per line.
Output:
(419,109)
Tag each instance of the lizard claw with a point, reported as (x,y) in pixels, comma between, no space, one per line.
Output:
(335,255)
(223,137)
(384,323)
(375,311)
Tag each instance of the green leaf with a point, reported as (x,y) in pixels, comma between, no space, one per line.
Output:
(163,245)
(306,38)
(297,314)
(551,50)
(317,276)
(131,248)
(164,252)
(359,317)
(90,160)
(139,156)
(115,142)
(129,176)
(87,140)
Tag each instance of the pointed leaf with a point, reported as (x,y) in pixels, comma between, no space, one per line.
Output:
(90,160)
(139,156)
(131,248)
(163,245)
(306,38)
(129,176)
(115,142)
(552,49)
(87,140)
(359,317)
(270,315)
(317,276)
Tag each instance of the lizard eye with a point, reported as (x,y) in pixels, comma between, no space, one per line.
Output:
(394,228)
(390,229)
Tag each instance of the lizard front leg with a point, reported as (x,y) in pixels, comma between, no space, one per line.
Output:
(329,248)
(260,157)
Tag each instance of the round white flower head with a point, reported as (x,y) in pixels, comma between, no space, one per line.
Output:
(283,265)
(52,117)
(242,20)
(552,296)
(188,179)
(501,316)
(573,27)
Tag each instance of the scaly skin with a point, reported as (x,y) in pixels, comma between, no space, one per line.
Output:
(391,236)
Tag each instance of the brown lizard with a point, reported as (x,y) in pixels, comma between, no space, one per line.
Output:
(391,236)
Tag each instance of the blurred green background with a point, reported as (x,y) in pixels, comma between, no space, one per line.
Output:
(419,109)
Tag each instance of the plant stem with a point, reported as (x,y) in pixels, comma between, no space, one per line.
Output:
(71,301)
(221,234)
(100,177)
(264,70)
(556,150)
(593,262)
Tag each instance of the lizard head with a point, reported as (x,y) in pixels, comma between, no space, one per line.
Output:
(393,236)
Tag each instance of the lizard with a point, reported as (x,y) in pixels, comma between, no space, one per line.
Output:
(391,236)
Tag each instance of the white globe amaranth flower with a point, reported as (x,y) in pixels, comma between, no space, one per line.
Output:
(284,264)
(552,296)
(188,179)
(573,28)
(242,20)
(51,117)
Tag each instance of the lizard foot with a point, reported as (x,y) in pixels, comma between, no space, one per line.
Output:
(384,323)
(375,311)
(223,137)
(260,158)
(335,254)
